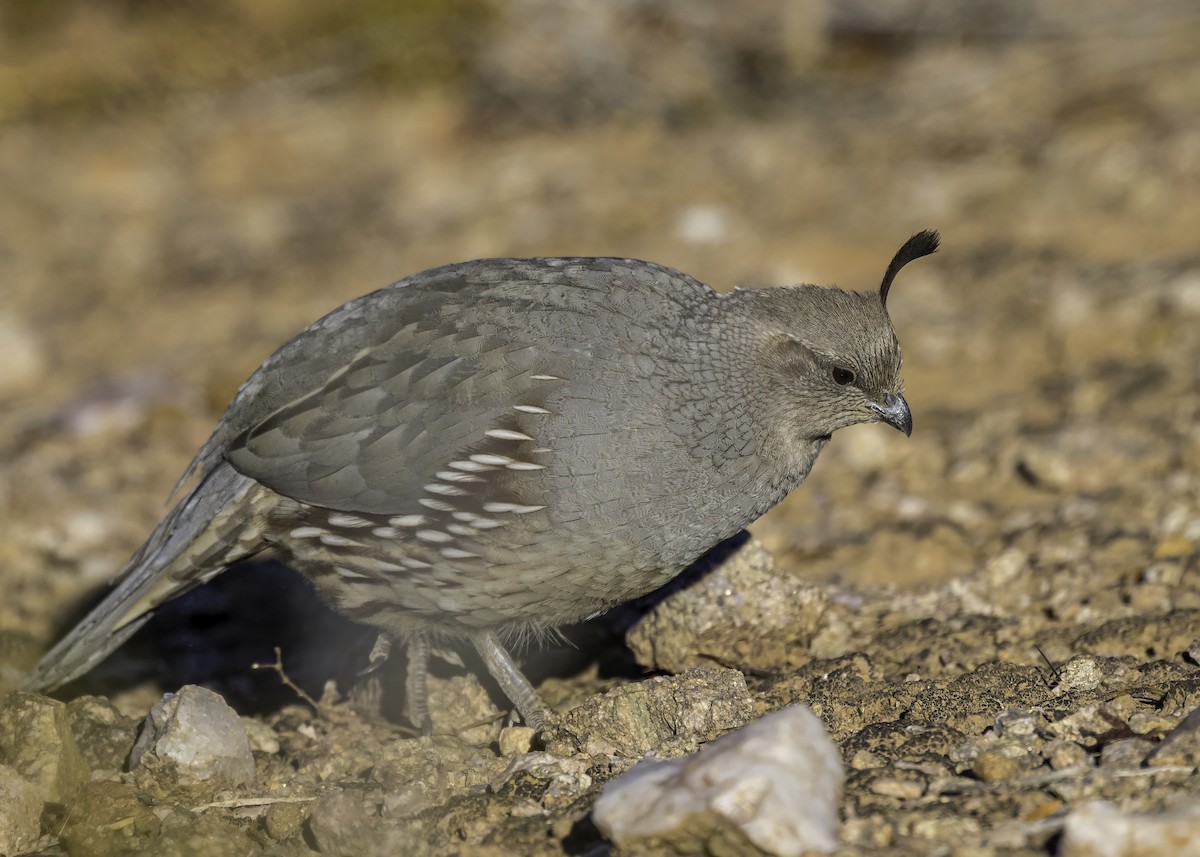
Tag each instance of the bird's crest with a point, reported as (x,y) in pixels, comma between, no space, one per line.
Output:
(921,244)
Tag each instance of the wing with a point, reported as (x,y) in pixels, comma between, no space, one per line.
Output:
(369,406)
(375,432)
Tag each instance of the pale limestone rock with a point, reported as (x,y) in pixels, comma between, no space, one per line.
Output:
(194,743)
(1101,829)
(772,787)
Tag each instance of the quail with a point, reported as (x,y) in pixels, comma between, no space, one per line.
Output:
(502,446)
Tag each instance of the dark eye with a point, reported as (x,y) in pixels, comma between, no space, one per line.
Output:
(842,375)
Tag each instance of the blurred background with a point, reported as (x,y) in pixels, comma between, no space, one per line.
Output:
(183,185)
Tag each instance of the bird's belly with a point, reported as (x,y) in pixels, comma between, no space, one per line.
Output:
(402,585)
(506,565)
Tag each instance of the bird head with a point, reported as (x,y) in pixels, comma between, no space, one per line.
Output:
(830,356)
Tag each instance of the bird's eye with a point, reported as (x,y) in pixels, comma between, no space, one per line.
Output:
(842,375)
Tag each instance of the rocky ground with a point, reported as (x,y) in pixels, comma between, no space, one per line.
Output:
(997,620)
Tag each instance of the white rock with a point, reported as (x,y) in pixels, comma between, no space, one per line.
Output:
(196,738)
(1101,829)
(779,780)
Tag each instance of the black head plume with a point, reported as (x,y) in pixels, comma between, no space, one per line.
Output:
(921,244)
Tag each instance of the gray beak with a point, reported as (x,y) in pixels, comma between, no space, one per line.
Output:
(895,413)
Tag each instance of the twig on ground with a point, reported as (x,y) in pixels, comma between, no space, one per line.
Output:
(283,676)
(239,802)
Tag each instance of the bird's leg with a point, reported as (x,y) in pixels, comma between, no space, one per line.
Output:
(514,684)
(366,694)
(379,654)
(416,692)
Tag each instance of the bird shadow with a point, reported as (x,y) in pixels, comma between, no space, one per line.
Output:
(212,635)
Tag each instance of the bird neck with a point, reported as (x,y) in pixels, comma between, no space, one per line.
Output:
(756,428)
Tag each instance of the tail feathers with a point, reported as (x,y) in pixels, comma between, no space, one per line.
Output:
(211,528)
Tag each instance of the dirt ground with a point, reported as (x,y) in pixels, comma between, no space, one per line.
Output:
(997,619)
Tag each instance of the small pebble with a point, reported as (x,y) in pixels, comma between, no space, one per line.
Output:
(1126,753)
(992,765)
(1063,754)
(284,819)
(340,824)
(515,739)
(1181,746)
(898,788)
